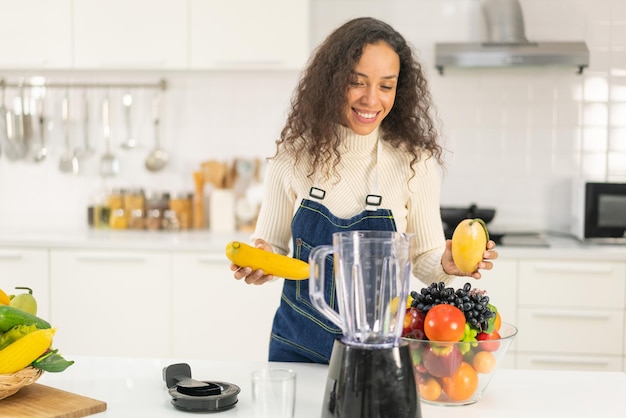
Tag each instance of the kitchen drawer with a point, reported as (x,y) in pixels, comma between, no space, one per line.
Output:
(575,284)
(571,331)
(568,362)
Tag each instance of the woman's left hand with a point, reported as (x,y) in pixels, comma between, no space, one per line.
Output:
(447,262)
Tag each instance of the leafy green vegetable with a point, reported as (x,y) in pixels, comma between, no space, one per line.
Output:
(52,361)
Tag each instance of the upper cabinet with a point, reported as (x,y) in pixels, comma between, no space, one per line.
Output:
(154,34)
(268,34)
(138,34)
(36,34)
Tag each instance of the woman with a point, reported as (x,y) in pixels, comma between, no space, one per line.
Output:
(358,152)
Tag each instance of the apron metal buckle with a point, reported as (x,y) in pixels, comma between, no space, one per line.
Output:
(373,200)
(316,193)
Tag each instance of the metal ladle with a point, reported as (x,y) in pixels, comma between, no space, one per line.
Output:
(68,162)
(87,151)
(158,158)
(131,142)
(109,164)
(42,152)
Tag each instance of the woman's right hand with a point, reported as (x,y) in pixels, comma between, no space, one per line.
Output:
(253,276)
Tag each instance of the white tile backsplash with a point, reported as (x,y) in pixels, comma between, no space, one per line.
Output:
(515,138)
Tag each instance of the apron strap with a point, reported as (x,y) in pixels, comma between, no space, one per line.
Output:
(372,200)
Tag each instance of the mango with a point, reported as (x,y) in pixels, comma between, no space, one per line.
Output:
(469,242)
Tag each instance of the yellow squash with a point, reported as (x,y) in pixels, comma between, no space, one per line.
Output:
(277,265)
(469,242)
(4,298)
(24,351)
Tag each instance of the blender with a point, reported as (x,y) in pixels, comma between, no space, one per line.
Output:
(370,373)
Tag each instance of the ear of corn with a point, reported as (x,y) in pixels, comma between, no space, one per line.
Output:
(24,351)
(278,265)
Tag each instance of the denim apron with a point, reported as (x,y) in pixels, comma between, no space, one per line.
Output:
(299,332)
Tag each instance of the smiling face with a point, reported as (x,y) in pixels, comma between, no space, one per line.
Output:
(372,89)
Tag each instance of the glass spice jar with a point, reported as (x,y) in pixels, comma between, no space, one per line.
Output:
(115,199)
(170,221)
(115,204)
(156,203)
(134,205)
(117,219)
(180,203)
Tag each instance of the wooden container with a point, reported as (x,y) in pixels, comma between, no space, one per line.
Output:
(10,384)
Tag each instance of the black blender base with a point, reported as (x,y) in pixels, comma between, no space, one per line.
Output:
(370,383)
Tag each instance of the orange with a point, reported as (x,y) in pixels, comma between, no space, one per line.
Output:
(430,390)
(484,362)
(462,384)
(4,298)
(497,322)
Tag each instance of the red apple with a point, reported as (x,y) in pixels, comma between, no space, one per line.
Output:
(442,361)
(488,345)
(413,324)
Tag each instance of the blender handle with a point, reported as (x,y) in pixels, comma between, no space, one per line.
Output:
(316,285)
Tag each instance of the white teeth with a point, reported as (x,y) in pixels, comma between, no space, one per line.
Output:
(366,115)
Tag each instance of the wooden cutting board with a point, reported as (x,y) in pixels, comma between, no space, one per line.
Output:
(40,401)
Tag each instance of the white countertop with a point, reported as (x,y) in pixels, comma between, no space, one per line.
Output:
(134,388)
(204,240)
(110,239)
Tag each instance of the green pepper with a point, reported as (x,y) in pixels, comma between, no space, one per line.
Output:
(15,334)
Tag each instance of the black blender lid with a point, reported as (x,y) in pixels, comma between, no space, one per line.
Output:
(214,397)
(198,395)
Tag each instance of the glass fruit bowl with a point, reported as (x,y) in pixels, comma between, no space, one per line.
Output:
(457,373)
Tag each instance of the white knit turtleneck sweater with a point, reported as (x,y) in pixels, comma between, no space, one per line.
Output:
(414,202)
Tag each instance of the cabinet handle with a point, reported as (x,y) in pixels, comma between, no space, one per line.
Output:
(572,315)
(10,255)
(114,258)
(577,269)
(561,360)
(133,64)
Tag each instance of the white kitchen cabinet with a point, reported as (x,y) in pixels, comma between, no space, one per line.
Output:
(36,34)
(571,314)
(138,34)
(216,316)
(500,283)
(249,34)
(26,267)
(111,302)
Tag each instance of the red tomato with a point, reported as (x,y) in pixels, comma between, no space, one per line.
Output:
(444,323)
(489,345)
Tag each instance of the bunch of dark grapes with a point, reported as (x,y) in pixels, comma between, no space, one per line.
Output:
(472,302)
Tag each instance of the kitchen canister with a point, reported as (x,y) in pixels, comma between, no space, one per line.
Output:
(222,210)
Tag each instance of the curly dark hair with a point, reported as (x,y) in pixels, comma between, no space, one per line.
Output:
(317,105)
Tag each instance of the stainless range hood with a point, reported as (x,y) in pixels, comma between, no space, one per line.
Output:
(507,45)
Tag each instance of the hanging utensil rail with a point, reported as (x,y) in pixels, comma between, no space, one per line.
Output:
(162,84)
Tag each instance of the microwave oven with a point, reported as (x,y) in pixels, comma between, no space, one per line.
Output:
(600,212)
